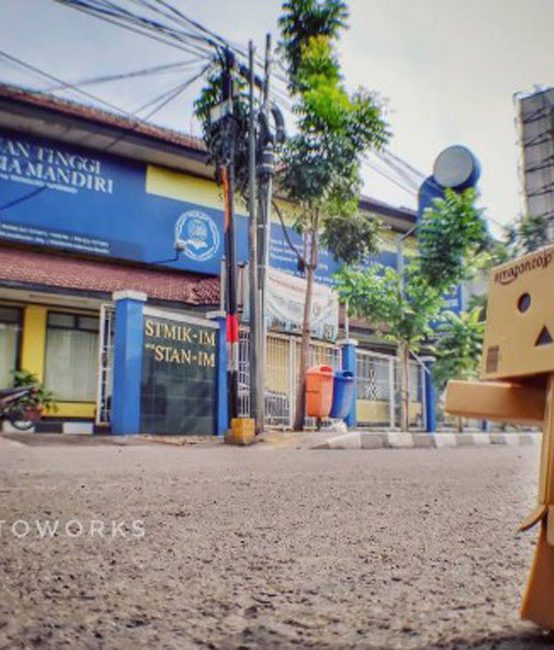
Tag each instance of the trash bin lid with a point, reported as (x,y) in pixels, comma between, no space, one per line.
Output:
(320,370)
(344,374)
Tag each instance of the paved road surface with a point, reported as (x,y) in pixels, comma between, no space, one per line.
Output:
(262,548)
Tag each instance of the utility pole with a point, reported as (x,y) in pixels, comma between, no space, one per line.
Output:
(265,175)
(256,394)
(228,177)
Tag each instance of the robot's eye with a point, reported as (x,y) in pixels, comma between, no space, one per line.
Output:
(524,302)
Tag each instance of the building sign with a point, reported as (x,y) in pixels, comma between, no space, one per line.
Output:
(36,164)
(285,306)
(60,196)
(179,374)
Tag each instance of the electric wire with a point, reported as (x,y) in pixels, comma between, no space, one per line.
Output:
(107,10)
(402,170)
(390,178)
(143,72)
(52,77)
(71,86)
(105,16)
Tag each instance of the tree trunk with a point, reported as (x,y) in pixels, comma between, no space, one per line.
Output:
(404,387)
(300,411)
(460,424)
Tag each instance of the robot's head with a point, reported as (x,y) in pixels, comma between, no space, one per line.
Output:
(519,334)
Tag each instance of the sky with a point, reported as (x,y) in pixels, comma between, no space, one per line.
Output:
(447,71)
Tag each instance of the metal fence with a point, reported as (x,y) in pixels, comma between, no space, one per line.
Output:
(378,396)
(377,383)
(282,365)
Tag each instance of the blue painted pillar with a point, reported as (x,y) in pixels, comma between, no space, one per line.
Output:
(127,369)
(430,398)
(348,358)
(222,415)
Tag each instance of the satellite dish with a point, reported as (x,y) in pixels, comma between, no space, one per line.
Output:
(456,167)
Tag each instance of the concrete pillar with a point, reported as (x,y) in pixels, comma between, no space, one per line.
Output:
(127,374)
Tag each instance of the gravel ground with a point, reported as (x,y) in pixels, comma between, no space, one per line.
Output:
(265,548)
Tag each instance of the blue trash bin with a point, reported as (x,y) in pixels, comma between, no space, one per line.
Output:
(343,393)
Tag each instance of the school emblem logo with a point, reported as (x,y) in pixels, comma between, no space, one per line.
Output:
(197,235)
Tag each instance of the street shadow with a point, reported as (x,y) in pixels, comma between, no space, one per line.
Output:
(525,640)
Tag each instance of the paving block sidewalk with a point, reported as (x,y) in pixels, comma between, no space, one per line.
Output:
(403,440)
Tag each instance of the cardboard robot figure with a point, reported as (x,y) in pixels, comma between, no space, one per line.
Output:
(518,387)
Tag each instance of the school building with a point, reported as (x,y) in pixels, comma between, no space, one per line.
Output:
(122,327)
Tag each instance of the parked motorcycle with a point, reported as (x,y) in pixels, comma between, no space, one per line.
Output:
(19,407)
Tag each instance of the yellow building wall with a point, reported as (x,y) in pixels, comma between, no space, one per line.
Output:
(33,345)
(378,411)
(372,411)
(74,410)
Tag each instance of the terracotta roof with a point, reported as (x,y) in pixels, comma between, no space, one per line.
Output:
(38,269)
(93,114)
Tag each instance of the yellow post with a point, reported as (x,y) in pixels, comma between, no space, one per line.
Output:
(242,432)
(33,347)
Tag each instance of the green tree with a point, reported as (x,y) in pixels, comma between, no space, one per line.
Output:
(458,348)
(219,134)
(321,162)
(528,234)
(450,235)
(525,236)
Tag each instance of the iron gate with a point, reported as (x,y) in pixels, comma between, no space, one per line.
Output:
(282,365)
(105,365)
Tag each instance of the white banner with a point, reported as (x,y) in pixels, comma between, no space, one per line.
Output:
(285,305)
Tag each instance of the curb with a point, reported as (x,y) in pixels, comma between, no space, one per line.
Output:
(403,440)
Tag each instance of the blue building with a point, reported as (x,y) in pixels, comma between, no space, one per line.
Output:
(93,205)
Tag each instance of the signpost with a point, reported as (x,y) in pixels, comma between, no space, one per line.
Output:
(179,374)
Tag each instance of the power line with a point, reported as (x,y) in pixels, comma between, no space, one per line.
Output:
(391,179)
(71,86)
(106,16)
(143,72)
(108,10)
(51,77)
(172,94)
(111,12)
(150,24)
(174,12)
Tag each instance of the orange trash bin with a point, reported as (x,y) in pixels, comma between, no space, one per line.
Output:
(319,391)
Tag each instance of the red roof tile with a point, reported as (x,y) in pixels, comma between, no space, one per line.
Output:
(31,268)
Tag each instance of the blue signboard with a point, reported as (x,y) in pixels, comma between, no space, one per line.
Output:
(60,196)
(56,195)
(282,257)
(72,198)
